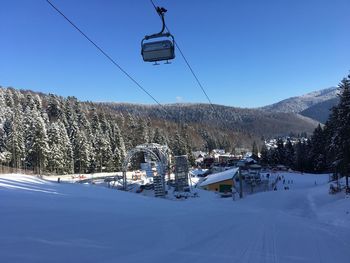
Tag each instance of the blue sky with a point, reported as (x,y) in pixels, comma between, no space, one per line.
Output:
(245,53)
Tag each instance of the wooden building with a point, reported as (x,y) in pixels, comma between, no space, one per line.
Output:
(220,182)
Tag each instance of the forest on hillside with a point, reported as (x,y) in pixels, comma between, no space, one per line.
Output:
(46,132)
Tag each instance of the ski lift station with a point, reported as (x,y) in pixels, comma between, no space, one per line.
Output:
(157,163)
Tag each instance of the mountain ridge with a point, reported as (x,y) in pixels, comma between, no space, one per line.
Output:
(298,104)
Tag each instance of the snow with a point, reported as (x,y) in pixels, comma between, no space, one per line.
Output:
(218,177)
(44,221)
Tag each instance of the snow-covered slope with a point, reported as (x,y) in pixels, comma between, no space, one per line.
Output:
(44,221)
(300,103)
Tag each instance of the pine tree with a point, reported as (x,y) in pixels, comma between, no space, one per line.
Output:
(95,122)
(178,145)
(15,139)
(119,151)
(341,136)
(209,141)
(302,162)
(8,98)
(281,154)
(318,150)
(289,154)
(159,137)
(140,133)
(103,152)
(29,102)
(264,157)
(273,157)
(37,102)
(2,106)
(36,140)
(82,150)
(299,157)
(56,153)
(54,110)
(67,150)
(131,125)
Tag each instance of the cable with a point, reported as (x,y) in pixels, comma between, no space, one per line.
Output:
(190,68)
(106,55)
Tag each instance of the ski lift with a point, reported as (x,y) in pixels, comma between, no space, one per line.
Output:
(153,51)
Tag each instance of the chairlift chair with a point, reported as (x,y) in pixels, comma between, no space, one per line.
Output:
(153,51)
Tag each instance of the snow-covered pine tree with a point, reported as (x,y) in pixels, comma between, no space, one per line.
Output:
(54,110)
(60,156)
(8,98)
(82,150)
(178,146)
(95,121)
(159,137)
(29,102)
(118,147)
(131,125)
(103,158)
(37,102)
(56,154)
(140,133)
(15,138)
(103,152)
(36,140)
(209,141)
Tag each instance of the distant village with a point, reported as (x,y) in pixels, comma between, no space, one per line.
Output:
(272,143)
(220,160)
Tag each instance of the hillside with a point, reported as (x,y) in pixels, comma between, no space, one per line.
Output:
(45,221)
(301,103)
(252,121)
(320,111)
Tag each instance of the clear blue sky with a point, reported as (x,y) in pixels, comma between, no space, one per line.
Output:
(246,53)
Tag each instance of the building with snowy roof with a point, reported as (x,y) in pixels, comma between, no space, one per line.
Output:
(220,182)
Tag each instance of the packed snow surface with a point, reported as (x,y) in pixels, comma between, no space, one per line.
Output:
(44,221)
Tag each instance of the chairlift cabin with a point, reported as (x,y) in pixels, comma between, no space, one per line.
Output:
(162,48)
(158,50)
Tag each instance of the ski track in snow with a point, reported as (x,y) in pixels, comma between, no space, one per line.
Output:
(49,222)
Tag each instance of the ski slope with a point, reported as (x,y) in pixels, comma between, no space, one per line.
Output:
(44,221)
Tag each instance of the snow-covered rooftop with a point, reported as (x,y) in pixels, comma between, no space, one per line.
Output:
(198,171)
(218,177)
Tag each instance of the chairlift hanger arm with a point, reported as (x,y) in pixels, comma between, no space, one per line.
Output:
(161,11)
